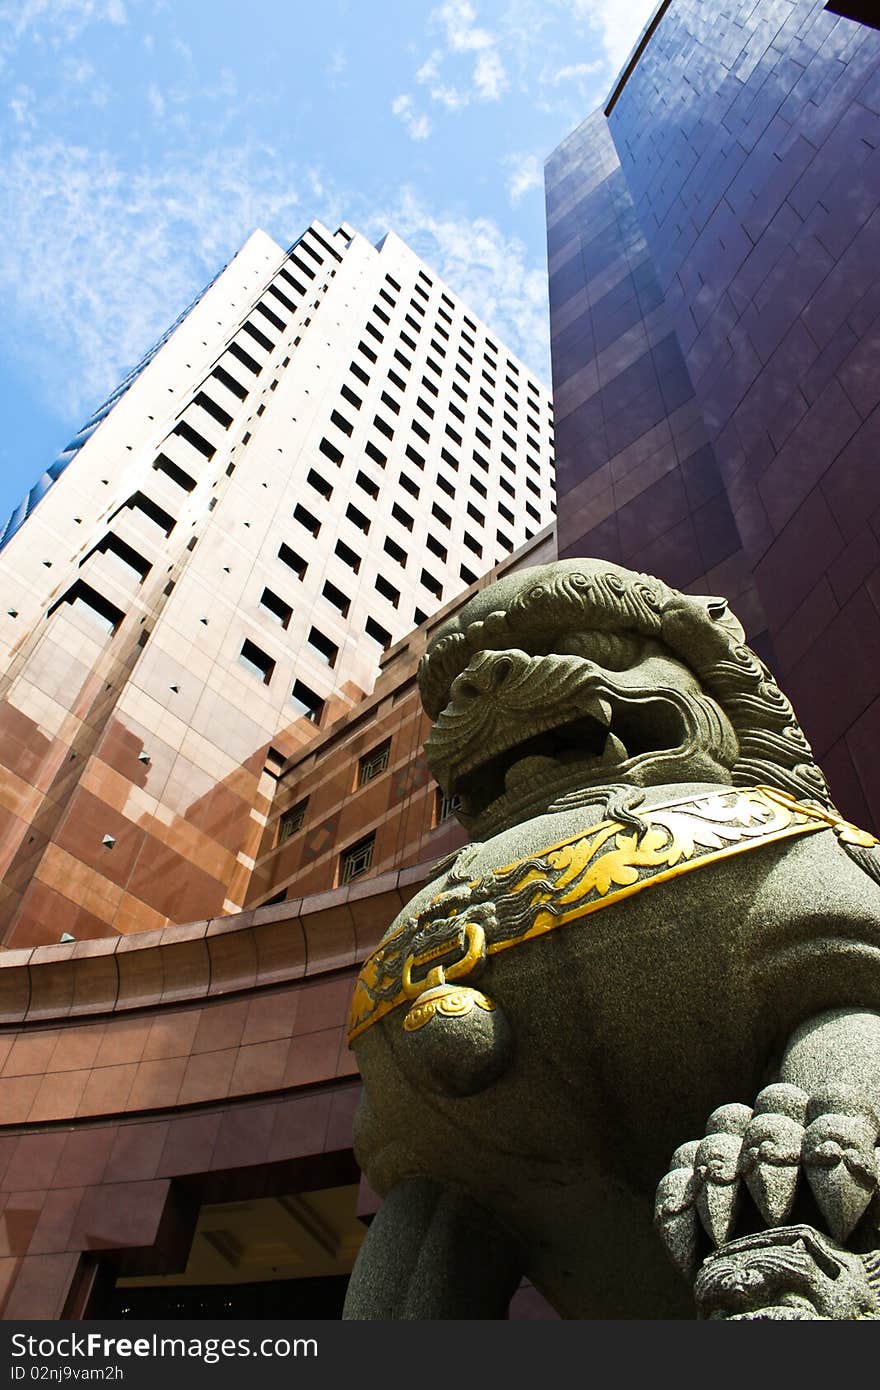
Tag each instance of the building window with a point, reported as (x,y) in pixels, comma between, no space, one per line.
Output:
(407,483)
(356,860)
(291,821)
(172,471)
(432,584)
(305,518)
(359,373)
(256,661)
(335,596)
(296,562)
(276,607)
(213,409)
(438,549)
(403,517)
(357,518)
(445,806)
(378,633)
(369,487)
(373,764)
(396,551)
(245,358)
(387,590)
(319,484)
(84,599)
(330,450)
(352,398)
(228,380)
(348,556)
(341,423)
(467,576)
(375,454)
(311,706)
(322,644)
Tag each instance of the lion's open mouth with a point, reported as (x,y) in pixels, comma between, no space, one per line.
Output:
(575,749)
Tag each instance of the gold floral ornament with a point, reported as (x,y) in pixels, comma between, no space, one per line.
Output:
(565,882)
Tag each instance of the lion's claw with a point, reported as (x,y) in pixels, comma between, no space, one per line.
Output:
(830,1136)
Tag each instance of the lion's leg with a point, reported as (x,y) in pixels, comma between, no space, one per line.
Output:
(433,1253)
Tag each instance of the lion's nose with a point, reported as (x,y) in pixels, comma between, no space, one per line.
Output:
(487,672)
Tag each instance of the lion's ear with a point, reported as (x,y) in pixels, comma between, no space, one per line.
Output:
(720,613)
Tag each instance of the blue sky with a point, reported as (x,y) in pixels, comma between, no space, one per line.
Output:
(142,140)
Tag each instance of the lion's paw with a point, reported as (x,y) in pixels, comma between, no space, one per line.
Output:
(831,1137)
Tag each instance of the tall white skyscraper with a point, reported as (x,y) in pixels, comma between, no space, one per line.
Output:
(323,451)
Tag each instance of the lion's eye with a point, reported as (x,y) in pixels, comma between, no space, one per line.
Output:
(615,651)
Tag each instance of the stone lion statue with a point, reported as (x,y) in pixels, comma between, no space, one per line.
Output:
(662,940)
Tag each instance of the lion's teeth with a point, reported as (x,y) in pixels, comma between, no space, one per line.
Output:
(614,750)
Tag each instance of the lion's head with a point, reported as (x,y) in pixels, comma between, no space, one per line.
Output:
(582,674)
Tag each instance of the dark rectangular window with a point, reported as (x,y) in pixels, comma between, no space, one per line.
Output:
(506,513)
(368,352)
(359,373)
(387,590)
(84,599)
(389,279)
(373,330)
(403,517)
(378,633)
(301,265)
(476,514)
(429,362)
(508,488)
(430,386)
(389,299)
(434,545)
(407,483)
(357,518)
(282,299)
(532,511)
(461,372)
(445,485)
(356,860)
(341,423)
(348,556)
(391,403)
(404,361)
(305,518)
(449,458)
(443,517)
(467,576)
(383,426)
(374,763)
(397,381)
(280,611)
(478,487)
(414,325)
(300,289)
(171,470)
(432,584)
(331,452)
(533,487)
(198,441)
(257,336)
(296,562)
(311,706)
(420,430)
(454,410)
(352,398)
(337,598)
(396,551)
(445,806)
(453,434)
(480,461)
(472,544)
(375,454)
(291,821)
(320,484)
(503,540)
(275,321)
(245,358)
(256,661)
(150,509)
(228,380)
(414,456)
(322,644)
(366,482)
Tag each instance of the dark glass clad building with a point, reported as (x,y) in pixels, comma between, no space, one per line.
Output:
(714,256)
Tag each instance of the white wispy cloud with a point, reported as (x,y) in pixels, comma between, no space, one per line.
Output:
(617,25)
(129,250)
(482,263)
(577,72)
(526,173)
(417,124)
(483,78)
